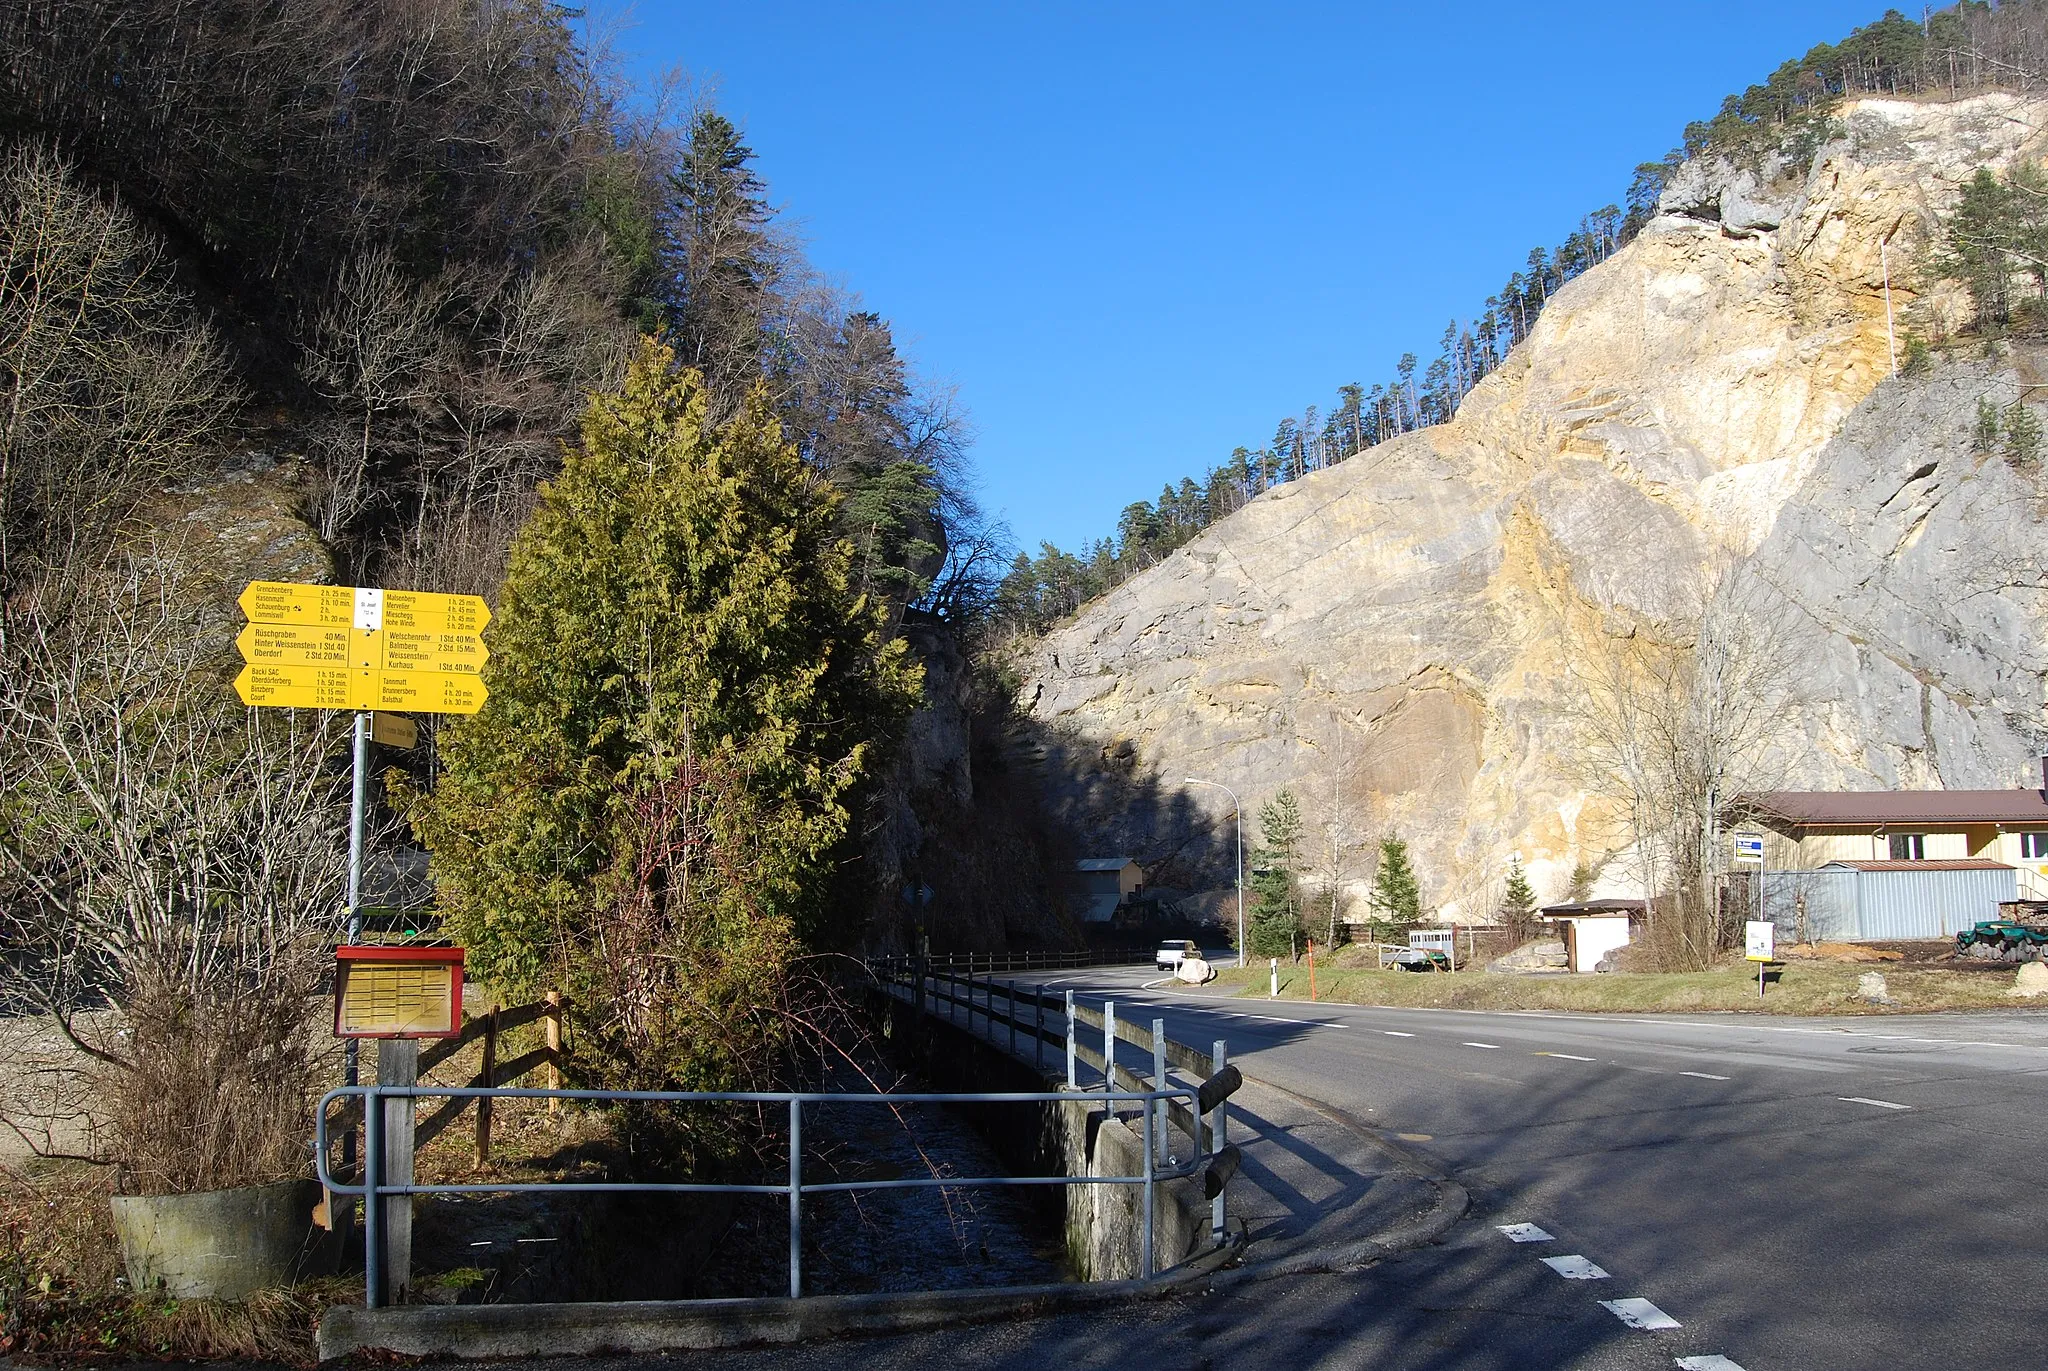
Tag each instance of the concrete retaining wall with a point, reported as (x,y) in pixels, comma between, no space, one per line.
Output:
(1076,1137)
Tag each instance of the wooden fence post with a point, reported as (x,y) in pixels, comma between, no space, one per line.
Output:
(552,1026)
(487,1078)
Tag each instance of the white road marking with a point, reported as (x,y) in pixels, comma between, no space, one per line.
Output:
(1393,1033)
(1705,1076)
(1490,1047)
(1574,1268)
(1881,1104)
(1564,1055)
(1523,1232)
(1716,1362)
(1640,1313)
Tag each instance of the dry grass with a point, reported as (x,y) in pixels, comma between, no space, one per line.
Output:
(208,1091)
(1799,987)
(63,1300)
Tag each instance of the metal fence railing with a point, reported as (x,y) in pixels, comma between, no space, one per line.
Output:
(1040,1017)
(970,963)
(376,1191)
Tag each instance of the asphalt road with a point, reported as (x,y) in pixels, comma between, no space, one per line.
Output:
(1794,1194)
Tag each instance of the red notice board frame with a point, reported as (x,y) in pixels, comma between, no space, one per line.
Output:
(450,957)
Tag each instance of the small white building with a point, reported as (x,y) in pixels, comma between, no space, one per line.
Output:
(1104,884)
(1593,929)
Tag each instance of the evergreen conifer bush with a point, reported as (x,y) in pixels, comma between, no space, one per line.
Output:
(687,696)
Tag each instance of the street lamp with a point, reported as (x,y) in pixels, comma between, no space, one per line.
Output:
(1237,812)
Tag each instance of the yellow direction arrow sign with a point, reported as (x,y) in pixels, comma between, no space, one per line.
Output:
(398,649)
(310,687)
(355,647)
(422,692)
(296,687)
(425,612)
(295,645)
(280,602)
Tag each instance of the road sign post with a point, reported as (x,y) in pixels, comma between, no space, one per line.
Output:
(397,995)
(1747,848)
(363,649)
(1759,945)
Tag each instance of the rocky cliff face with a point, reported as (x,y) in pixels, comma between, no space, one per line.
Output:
(1394,637)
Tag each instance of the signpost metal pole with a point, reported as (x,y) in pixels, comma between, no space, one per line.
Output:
(796,1198)
(373,1203)
(351,1072)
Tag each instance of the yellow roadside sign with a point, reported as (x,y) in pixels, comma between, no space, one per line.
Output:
(295,645)
(281,602)
(312,687)
(284,602)
(394,730)
(422,692)
(427,612)
(296,687)
(410,650)
(357,647)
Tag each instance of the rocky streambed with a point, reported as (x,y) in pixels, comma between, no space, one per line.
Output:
(542,1246)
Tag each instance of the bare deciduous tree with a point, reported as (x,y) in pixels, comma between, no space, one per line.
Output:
(1675,731)
(1337,824)
(165,850)
(109,380)
(368,358)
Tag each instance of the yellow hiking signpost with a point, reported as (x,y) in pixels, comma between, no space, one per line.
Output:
(367,650)
(341,647)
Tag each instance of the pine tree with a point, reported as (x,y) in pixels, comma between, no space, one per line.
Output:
(2022,435)
(719,260)
(1275,928)
(1984,433)
(1518,901)
(1396,895)
(687,692)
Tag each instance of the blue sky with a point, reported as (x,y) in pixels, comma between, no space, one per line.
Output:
(1137,236)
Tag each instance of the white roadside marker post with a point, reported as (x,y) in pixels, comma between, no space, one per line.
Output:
(1157,1108)
(1273,992)
(1073,1041)
(1109,1048)
(1219,1138)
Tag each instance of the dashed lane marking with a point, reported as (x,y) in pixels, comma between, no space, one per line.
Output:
(1881,1104)
(1716,1362)
(1703,1075)
(1640,1313)
(1395,1033)
(1490,1047)
(1574,1268)
(1523,1232)
(1566,1056)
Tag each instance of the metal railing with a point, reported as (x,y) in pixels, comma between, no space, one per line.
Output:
(929,985)
(376,1191)
(969,963)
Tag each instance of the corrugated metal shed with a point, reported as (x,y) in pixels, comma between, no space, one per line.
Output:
(1860,901)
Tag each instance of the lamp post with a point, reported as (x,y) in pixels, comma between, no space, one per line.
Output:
(1237,812)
